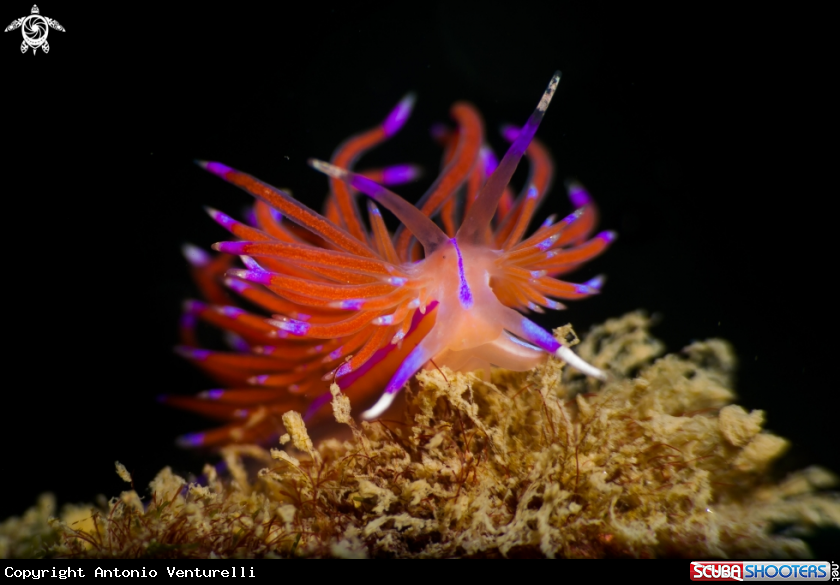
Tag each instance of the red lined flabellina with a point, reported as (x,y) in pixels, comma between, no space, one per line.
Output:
(336,300)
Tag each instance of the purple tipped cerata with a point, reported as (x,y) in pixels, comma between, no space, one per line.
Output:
(307,299)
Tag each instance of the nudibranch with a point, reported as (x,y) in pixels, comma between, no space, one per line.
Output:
(331,298)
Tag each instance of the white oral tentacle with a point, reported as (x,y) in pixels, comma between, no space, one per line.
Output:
(575,361)
(381,406)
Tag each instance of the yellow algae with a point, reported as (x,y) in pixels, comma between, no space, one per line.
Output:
(656,462)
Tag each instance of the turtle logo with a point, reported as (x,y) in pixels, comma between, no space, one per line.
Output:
(34,28)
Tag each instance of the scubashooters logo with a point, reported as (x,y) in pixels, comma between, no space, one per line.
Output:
(760,571)
(35,29)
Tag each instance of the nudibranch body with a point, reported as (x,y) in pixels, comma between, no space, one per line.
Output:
(356,305)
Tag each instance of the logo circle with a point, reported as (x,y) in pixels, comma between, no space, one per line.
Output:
(35,30)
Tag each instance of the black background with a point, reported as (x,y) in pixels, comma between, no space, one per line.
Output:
(703,133)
